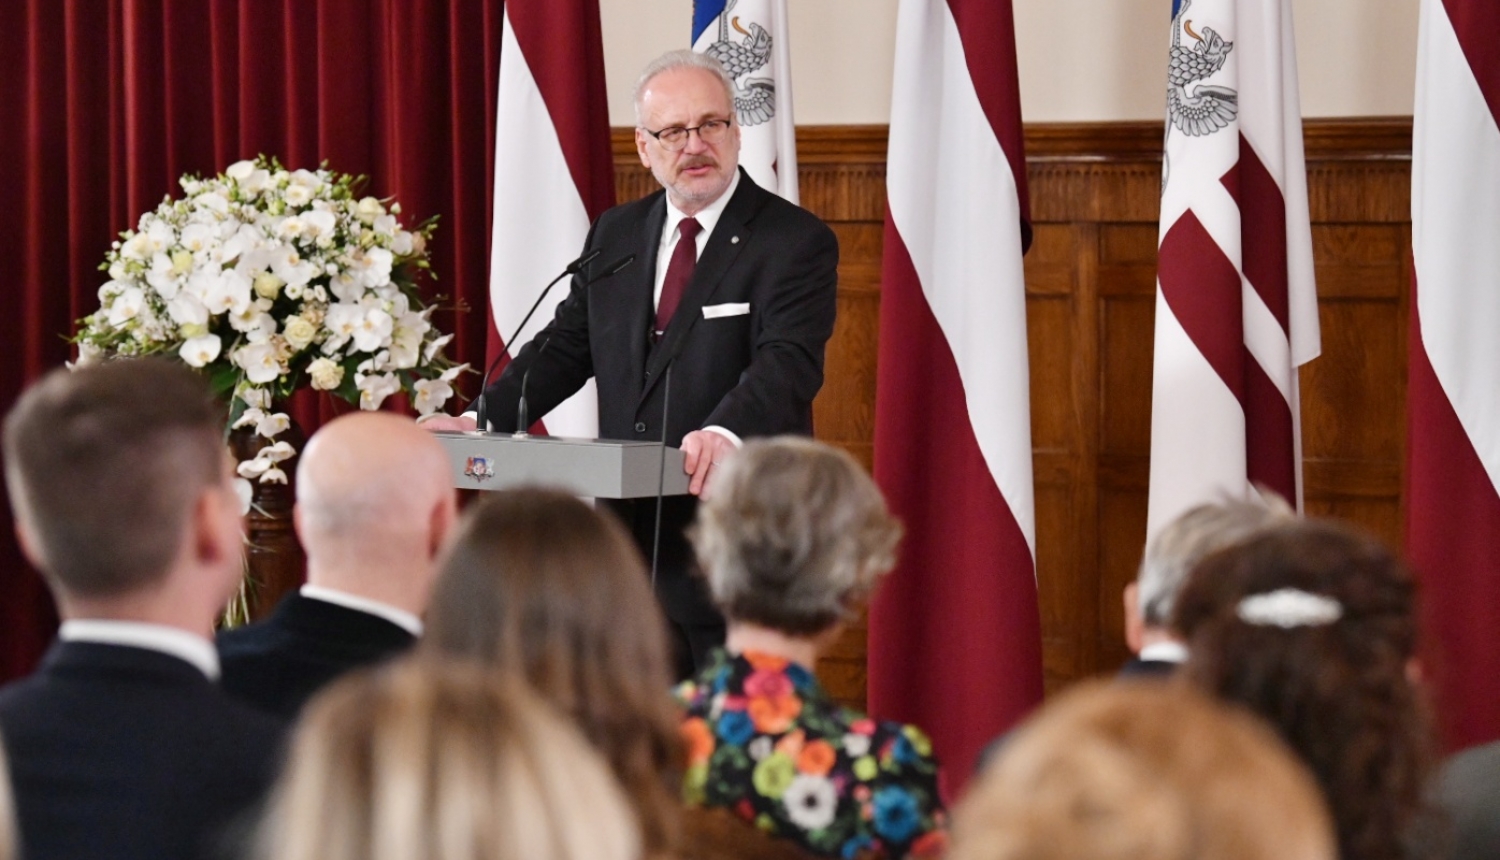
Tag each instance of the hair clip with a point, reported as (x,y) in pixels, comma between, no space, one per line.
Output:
(1289,607)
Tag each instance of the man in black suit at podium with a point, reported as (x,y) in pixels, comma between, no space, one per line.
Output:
(375,499)
(728,304)
(122,745)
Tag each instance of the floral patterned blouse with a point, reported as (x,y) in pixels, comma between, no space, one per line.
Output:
(766,741)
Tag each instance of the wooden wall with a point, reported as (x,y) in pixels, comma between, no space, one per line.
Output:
(1090,281)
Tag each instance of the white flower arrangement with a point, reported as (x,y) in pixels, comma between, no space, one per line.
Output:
(269,280)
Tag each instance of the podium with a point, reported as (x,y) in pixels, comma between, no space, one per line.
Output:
(602,468)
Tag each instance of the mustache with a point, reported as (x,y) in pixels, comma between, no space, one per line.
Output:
(697,161)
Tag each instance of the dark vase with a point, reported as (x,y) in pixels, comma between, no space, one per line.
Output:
(275,561)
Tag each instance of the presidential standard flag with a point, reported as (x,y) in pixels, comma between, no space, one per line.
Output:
(554,173)
(1236,307)
(749,38)
(1453,395)
(955,642)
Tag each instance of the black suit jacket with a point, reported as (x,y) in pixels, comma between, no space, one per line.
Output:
(755,374)
(278,664)
(127,753)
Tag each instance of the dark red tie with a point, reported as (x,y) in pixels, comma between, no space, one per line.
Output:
(679,272)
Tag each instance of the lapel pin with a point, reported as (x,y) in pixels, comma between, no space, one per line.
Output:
(734,240)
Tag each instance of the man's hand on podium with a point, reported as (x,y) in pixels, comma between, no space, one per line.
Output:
(702,450)
(460,423)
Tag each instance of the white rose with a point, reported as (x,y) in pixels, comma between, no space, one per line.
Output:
(201,350)
(368,209)
(402,244)
(299,332)
(267,285)
(326,374)
(255,183)
(298,195)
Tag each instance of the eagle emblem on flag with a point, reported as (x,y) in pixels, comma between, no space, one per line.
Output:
(754,98)
(1205,108)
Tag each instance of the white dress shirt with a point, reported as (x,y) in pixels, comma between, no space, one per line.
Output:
(173,641)
(399,617)
(1165,652)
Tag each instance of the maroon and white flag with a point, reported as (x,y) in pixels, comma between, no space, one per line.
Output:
(1453,396)
(1236,305)
(955,642)
(554,173)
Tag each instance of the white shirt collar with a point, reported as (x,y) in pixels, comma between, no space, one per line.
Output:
(1165,652)
(708,216)
(172,641)
(399,617)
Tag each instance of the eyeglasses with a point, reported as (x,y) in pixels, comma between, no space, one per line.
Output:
(676,137)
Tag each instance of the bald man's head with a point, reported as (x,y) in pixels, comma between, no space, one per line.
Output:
(375,499)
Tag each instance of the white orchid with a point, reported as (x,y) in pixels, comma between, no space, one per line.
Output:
(129,304)
(200,351)
(259,362)
(373,330)
(375,388)
(274,279)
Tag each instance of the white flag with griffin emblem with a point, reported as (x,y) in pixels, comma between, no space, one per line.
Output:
(749,38)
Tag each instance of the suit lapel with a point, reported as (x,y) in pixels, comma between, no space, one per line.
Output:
(731,235)
(639,296)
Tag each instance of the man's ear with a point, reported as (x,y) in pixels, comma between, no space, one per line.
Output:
(1135,625)
(640,147)
(440,523)
(30,546)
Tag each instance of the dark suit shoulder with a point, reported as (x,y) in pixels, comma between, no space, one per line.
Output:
(124,752)
(279,663)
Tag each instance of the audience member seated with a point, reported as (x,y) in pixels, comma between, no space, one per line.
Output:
(1311,626)
(792,539)
(539,586)
(121,744)
(7,812)
(442,761)
(1469,796)
(1169,557)
(1146,771)
(375,500)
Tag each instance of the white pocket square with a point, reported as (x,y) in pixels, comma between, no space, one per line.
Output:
(733,309)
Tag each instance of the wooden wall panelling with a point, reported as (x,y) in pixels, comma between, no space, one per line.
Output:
(1090,311)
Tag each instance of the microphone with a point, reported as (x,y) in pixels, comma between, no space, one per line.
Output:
(661,474)
(573,268)
(521,418)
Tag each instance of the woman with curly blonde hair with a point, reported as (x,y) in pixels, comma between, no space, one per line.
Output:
(423,760)
(1142,771)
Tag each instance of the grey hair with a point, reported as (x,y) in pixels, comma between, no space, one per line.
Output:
(1194,536)
(682,58)
(794,536)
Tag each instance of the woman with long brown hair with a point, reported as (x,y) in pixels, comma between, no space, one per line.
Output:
(540,586)
(1312,626)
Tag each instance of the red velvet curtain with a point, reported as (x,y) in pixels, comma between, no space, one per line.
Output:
(105,103)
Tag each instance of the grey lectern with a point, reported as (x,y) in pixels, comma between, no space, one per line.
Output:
(602,468)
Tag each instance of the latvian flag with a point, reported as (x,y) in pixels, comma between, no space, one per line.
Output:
(955,642)
(749,38)
(553,170)
(1236,307)
(1453,398)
